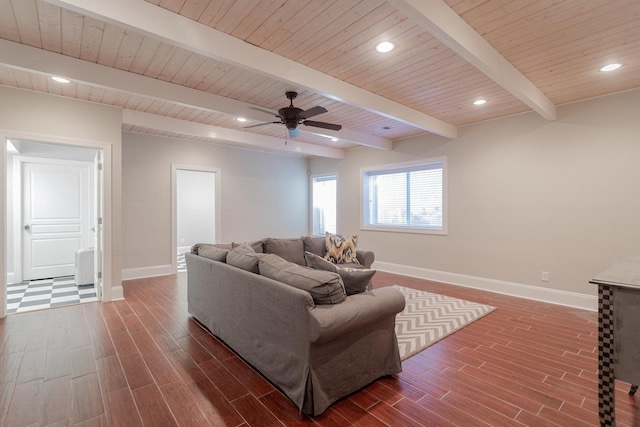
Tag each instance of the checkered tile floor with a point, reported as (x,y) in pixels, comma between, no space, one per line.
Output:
(47,293)
(182,264)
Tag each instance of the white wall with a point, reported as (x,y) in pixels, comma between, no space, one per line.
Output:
(525,196)
(42,117)
(262,194)
(196,220)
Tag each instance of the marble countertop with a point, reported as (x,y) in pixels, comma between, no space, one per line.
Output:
(625,272)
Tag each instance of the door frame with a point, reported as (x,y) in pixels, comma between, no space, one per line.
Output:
(18,160)
(174,206)
(107,255)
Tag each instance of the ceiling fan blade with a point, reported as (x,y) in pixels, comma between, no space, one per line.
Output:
(322,125)
(272,113)
(260,124)
(294,133)
(312,112)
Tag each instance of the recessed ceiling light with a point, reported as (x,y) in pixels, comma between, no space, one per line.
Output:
(334,139)
(60,79)
(385,47)
(479,101)
(241,119)
(610,67)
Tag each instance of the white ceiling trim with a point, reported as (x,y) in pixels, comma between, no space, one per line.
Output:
(29,58)
(448,27)
(185,127)
(146,18)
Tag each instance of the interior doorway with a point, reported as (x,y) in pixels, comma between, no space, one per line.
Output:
(54,225)
(196,210)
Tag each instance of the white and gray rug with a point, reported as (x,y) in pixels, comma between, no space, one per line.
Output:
(427,318)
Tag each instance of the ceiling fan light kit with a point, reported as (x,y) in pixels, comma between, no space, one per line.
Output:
(292,116)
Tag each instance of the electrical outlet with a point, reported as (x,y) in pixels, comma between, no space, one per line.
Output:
(545,276)
(181,240)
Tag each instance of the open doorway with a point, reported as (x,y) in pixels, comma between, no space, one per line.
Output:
(54,220)
(196,210)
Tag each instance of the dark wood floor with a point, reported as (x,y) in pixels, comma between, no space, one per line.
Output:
(143,361)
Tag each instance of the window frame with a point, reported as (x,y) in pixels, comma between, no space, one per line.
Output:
(364,201)
(312,179)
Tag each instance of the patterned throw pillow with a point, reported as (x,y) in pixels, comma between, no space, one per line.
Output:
(341,250)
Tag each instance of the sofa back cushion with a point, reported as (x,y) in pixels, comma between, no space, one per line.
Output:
(315,244)
(356,280)
(291,250)
(325,287)
(242,256)
(213,252)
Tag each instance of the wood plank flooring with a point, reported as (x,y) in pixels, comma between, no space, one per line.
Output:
(144,361)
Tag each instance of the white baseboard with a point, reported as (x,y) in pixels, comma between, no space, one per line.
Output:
(554,296)
(183,249)
(11,278)
(142,272)
(117,293)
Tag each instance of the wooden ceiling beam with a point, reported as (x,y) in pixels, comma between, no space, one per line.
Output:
(443,23)
(29,58)
(145,18)
(185,127)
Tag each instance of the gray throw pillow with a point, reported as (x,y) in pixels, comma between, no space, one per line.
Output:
(319,263)
(256,246)
(244,258)
(213,252)
(356,280)
(291,250)
(325,287)
(243,245)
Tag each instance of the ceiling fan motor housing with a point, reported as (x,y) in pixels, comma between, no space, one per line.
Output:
(290,116)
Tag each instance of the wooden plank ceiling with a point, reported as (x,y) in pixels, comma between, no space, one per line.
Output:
(558,45)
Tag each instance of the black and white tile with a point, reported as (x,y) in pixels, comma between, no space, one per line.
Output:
(182,264)
(47,293)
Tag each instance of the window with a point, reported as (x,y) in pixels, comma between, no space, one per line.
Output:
(410,198)
(324,195)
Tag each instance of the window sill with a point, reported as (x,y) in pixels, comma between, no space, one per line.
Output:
(411,230)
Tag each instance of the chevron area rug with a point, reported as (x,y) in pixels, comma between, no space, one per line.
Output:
(427,318)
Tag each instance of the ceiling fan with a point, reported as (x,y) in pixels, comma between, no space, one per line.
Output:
(292,116)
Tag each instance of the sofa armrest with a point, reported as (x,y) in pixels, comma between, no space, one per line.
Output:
(354,313)
(365,257)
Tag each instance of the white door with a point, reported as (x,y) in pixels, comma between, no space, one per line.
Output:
(97,223)
(196,208)
(55,217)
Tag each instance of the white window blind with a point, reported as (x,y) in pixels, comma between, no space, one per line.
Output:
(324,202)
(408,197)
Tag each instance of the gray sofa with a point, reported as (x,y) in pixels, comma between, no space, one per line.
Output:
(315,353)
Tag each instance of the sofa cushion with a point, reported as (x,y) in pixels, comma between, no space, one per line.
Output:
(291,250)
(213,252)
(255,245)
(244,258)
(227,246)
(325,287)
(341,250)
(315,244)
(356,280)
